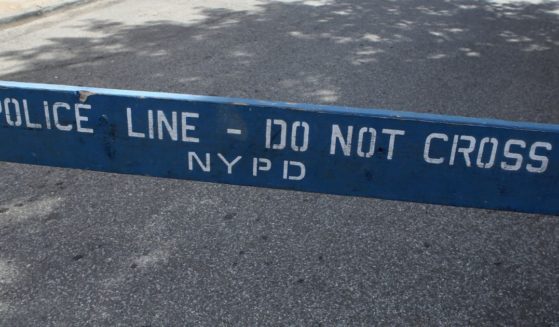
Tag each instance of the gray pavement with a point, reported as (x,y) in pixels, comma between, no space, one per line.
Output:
(17,11)
(86,248)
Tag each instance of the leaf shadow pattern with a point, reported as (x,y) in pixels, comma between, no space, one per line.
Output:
(474,58)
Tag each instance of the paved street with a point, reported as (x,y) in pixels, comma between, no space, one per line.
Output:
(87,248)
(13,12)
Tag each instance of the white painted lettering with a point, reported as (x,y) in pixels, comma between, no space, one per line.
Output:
(151,132)
(17,112)
(345,143)
(260,164)
(393,133)
(171,127)
(55,115)
(295,127)
(518,158)
(47,114)
(28,122)
(229,164)
(186,127)
(131,132)
(80,118)
(300,165)
(494,145)
(204,166)
(464,150)
(427,148)
(283,134)
(371,149)
(544,161)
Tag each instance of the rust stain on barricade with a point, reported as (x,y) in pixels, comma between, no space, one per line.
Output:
(84,95)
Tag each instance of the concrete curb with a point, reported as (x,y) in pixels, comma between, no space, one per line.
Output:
(41,11)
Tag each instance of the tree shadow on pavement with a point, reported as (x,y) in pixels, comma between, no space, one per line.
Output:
(473,58)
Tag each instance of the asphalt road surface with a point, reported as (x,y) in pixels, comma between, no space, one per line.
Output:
(86,248)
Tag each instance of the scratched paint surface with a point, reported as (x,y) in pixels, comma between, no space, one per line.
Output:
(347,151)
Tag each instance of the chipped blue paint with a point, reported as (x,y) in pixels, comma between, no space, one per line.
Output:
(482,163)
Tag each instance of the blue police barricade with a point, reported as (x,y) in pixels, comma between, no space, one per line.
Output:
(482,163)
